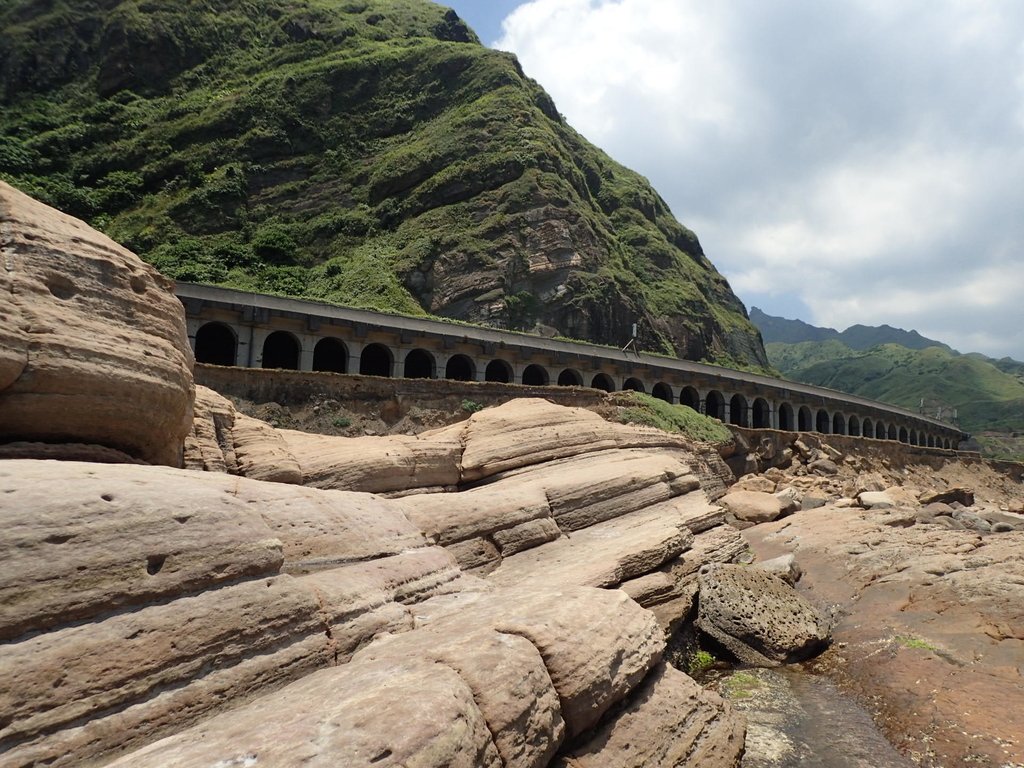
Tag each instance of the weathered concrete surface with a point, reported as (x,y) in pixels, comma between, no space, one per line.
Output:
(93,346)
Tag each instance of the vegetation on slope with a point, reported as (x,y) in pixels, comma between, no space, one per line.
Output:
(364,152)
(640,408)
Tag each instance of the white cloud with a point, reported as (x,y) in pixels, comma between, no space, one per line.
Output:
(859,158)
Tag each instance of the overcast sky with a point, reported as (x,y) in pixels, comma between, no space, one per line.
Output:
(841,161)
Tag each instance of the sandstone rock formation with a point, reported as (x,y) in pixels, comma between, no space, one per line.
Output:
(92,340)
(227,588)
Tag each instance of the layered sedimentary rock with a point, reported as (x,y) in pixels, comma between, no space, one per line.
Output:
(92,340)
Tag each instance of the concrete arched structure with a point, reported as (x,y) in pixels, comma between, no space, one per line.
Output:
(904,435)
(499,370)
(385,345)
(690,397)
(376,360)
(738,410)
(822,422)
(761,414)
(805,420)
(419,364)
(460,368)
(216,344)
(714,405)
(281,350)
(662,391)
(838,424)
(787,419)
(570,377)
(330,355)
(634,384)
(535,375)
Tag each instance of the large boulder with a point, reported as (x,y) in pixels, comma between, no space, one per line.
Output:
(93,347)
(757,617)
(751,506)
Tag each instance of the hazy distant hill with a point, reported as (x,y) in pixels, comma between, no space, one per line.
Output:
(987,395)
(778,329)
(370,153)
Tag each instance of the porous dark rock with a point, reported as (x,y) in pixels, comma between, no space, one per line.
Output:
(757,617)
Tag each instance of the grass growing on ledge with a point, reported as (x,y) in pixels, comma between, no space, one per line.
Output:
(639,408)
(909,641)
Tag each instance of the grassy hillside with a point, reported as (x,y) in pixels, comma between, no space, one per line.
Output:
(365,152)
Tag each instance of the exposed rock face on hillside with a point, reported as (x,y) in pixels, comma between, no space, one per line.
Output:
(92,340)
(369,153)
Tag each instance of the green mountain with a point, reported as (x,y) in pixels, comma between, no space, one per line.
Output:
(986,396)
(364,152)
(779,329)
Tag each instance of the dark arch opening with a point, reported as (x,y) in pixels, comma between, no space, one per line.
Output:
(867,429)
(690,397)
(891,433)
(931,441)
(714,405)
(838,424)
(570,378)
(947,444)
(805,421)
(375,361)
(535,376)
(738,411)
(603,381)
(460,368)
(216,344)
(498,370)
(904,435)
(419,364)
(914,438)
(281,350)
(762,414)
(662,391)
(330,355)
(853,426)
(821,423)
(634,384)
(786,417)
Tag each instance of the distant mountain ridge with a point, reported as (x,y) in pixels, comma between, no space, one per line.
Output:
(859,337)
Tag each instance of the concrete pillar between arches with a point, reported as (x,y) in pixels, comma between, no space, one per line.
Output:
(307,343)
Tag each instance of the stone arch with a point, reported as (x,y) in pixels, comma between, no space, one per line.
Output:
(915,438)
(762,414)
(805,419)
(570,377)
(420,364)
(460,368)
(714,404)
(603,381)
(662,391)
(947,444)
(892,433)
(931,441)
(904,435)
(822,422)
(216,344)
(853,426)
(838,424)
(738,410)
(867,429)
(690,397)
(498,370)
(634,384)
(535,375)
(786,420)
(330,354)
(376,360)
(281,350)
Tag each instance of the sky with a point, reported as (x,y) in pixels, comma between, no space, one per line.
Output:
(841,161)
